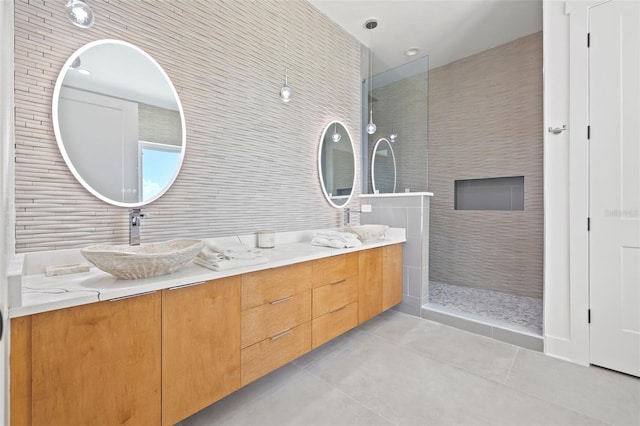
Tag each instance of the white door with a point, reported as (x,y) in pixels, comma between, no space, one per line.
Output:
(614,103)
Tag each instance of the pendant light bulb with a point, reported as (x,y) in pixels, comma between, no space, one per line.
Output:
(393,137)
(336,136)
(371,127)
(286,93)
(79,13)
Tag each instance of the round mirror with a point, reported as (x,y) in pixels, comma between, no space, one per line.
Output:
(337,164)
(119,123)
(383,167)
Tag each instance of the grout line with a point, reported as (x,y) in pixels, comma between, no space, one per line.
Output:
(350,397)
(513,361)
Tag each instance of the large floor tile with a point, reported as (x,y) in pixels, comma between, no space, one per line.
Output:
(599,393)
(305,400)
(409,388)
(481,355)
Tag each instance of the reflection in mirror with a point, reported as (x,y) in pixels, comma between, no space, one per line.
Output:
(119,123)
(383,168)
(337,164)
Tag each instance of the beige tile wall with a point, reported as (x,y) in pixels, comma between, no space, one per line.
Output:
(485,120)
(251,161)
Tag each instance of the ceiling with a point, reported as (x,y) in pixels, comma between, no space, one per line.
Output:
(446,30)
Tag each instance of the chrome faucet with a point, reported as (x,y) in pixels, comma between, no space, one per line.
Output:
(135,215)
(347,215)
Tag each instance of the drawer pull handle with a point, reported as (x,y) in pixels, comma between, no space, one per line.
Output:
(284,299)
(115,299)
(338,282)
(337,310)
(186,285)
(279,335)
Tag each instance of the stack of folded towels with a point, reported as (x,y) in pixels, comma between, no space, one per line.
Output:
(228,256)
(336,239)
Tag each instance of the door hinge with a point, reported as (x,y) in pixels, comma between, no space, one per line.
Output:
(588,224)
(588,132)
(588,39)
(589,316)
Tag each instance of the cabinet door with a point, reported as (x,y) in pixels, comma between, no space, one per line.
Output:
(98,364)
(369,284)
(391,276)
(200,346)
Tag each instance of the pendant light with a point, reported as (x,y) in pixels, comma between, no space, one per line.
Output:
(336,136)
(286,92)
(370,24)
(79,13)
(393,136)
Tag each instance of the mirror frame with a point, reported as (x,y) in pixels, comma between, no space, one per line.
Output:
(355,166)
(58,134)
(373,169)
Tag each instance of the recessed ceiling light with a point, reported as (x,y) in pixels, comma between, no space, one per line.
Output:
(413,51)
(84,72)
(371,23)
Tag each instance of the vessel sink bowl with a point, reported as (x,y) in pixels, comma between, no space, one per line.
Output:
(368,233)
(143,261)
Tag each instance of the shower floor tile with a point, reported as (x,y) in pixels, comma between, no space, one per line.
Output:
(516,310)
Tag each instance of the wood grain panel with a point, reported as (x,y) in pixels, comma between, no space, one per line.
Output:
(98,364)
(269,285)
(391,276)
(333,324)
(369,284)
(200,346)
(266,356)
(335,268)
(269,319)
(333,296)
(20,363)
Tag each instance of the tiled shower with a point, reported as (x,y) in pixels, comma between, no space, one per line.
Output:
(484,167)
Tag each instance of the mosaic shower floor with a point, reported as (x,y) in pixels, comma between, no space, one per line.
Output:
(519,311)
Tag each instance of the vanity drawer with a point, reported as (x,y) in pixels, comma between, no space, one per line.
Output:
(333,296)
(271,353)
(266,286)
(333,324)
(335,268)
(272,318)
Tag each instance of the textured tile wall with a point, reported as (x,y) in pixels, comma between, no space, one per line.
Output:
(402,107)
(485,121)
(251,161)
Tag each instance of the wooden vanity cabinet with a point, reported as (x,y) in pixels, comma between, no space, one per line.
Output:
(380,280)
(200,346)
(95,364)
(275,318)
(335,297)
(391,276)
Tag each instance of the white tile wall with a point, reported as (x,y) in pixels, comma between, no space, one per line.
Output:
(250,161)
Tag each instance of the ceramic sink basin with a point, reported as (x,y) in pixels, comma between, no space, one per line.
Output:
(143,261)
(368,233)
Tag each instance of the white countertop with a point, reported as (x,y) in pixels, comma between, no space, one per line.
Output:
(42,294)
(397,194)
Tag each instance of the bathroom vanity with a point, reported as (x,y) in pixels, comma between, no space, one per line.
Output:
(157,350)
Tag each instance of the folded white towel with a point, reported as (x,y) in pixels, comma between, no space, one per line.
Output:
(332,235)
(224,264)
(335,242)
(233,250)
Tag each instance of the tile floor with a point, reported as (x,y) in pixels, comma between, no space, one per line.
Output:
(402,370)
(521,311)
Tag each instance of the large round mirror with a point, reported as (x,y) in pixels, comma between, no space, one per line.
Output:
(119,123)
(383,167)
(337,164)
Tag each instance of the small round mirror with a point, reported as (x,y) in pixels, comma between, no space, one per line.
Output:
(119,123)
(337,164)
(383,167)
